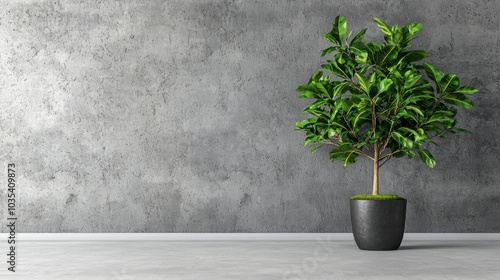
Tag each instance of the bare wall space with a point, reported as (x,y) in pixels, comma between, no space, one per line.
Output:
(178,116)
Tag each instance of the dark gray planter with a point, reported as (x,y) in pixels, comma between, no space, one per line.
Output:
(378,224)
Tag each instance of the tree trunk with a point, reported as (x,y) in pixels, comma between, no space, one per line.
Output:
(375,169)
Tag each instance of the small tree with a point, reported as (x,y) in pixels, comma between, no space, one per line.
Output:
(379,105)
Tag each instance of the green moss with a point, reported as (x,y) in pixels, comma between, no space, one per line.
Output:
(385,196)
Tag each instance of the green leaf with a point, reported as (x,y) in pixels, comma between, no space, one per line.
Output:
(340,89)
(328,67)
(349,158)
(335,111)
(359,37)
(321,89)
(414,98)
(316,148)
(307,87)
(339,28)
(348,37)
(388,54)
(410,153)
(359,116)
(466,90)
(424,86)
(361,58)
(458,99)
(404,141)
(340,58)
(464,130)
(422,135)
(364,83)
(427,158)
(360,52)
(316,77)
(384,85)
(331,133)
(308,94)
(318,113)
(415,109)
(433,73)
(312,139)
(411,78)
(439,118)
(338,125)
(449,83)
(309,91)
(399,154)
(335,69)
(416,55)
(360,145)
(383,26)
(418,134)
(304,123)
(397,36)
(318,103)
(363,69)
(340,151)
(375,138)
(413,27)
(347,105)
(328,50)
(330,38)
(405,114)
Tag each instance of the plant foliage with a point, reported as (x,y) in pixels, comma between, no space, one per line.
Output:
(377,99)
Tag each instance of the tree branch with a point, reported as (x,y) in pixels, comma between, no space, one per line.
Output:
(386,160)
(330,143)
(389,155)
(357,151)
(360,152)
(388,138)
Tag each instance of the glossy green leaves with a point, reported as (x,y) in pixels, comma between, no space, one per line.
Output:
(344,152)
(427,158)
(448,87)
(379,94)
(458,99)
(383,26)
(398,36)
(404,141)
(413,27)
(339,29)
(449,83)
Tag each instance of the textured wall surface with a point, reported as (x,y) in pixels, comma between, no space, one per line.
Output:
(177,116)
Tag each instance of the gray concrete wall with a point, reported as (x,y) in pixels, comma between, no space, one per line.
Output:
(178,116)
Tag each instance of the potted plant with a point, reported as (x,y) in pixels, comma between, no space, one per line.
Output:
(376,100)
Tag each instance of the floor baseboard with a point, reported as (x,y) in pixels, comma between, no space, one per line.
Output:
(238,236)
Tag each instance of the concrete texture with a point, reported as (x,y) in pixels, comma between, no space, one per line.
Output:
(178,116)
(318,260)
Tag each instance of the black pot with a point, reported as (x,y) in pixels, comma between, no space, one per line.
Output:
(378,224)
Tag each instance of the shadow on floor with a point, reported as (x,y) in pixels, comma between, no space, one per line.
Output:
(441,246)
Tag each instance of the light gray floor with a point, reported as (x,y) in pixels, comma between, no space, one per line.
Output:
(254,260)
